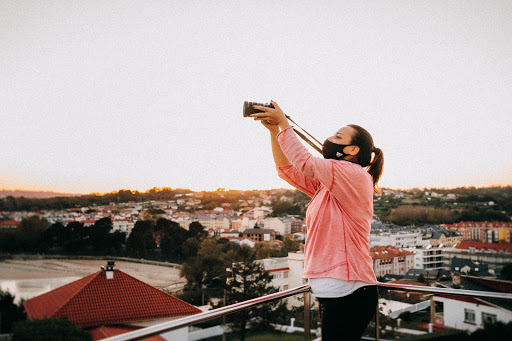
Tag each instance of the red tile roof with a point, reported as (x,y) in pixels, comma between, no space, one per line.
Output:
(466,299)
(10,222)
(103,332)
(385,251)
(95,300)
(466,244)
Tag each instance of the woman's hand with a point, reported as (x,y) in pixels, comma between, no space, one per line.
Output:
(271,116)
(272,127)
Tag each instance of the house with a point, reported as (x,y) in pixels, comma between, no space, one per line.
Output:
(467,267)
(470,313)
(282,226)
(495,255)
(447,238)
(108,298)
(391,260)
(9,224)
(259,235)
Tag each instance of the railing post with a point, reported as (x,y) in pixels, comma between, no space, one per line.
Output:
(377,317)
(307,316)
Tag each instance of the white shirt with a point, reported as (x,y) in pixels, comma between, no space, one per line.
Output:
(331,287)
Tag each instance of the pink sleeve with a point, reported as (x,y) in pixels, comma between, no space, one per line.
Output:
(291,175)
(316,168)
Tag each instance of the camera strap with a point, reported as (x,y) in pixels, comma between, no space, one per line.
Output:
(302,136)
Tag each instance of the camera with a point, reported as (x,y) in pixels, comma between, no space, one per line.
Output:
(249,110)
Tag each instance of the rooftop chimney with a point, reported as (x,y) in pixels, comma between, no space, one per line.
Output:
(108,270)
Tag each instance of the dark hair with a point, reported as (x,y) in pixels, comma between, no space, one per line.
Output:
(364,141)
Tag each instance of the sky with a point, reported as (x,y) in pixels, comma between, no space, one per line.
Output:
(97,96)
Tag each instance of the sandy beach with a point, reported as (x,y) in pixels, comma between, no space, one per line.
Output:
(17,269)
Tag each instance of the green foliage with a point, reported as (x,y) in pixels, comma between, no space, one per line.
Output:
(247,280)
(493,331)
(100,234)
(172,237)
(141,239)
(9,312)
(29,233)
(506,272)
(284,208)
(206,272)
(49,329)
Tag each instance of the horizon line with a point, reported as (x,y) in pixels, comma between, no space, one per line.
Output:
(231,189)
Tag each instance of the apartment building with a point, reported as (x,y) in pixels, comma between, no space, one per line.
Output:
(478,231)
(123,225)
(495,255)
(428,258)
(400,240)
(391,260)
(281,226)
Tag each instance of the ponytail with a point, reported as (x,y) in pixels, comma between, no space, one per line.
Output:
(364,141)
(375,168)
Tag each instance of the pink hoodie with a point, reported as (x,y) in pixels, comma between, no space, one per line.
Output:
(338,218)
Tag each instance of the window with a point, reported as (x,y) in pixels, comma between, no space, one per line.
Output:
(285,287)
(285,274)
(489,318)
(469,315)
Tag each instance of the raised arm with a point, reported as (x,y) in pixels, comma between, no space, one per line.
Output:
(285,169)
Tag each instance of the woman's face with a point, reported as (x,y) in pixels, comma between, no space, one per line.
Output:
(343,135)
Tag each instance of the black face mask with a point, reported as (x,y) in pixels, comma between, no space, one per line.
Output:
(332,150)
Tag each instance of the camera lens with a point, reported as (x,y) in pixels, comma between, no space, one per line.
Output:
(249,110)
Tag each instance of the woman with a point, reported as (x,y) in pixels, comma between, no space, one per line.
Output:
(337,258)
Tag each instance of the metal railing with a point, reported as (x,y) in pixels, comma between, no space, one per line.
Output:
(305,289)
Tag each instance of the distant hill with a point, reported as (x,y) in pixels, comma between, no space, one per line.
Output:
(35,194)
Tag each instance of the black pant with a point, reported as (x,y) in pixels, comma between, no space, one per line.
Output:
(345,318)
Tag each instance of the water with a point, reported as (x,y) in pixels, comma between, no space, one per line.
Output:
(28,288)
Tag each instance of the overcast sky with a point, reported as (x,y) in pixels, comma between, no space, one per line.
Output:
(97,96)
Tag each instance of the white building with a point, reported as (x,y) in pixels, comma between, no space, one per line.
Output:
(214,223)
(402,240)
(429,258)
(281,227)
(391,260)
(287,273)
(470,313)
(123,225)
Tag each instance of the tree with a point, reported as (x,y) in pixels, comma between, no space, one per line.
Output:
(408,214)
(291,244)
(196,230)
(141,239)
(79,241)
(55,236)
(284,208)
(441,216)
(247,280)
(190,247)
(9,312)
(100,234)
(29,233)
(205,272)
(506,272)
(49,329)
(493,331)
(172,237)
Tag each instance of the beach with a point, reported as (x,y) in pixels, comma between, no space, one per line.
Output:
(29,278)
